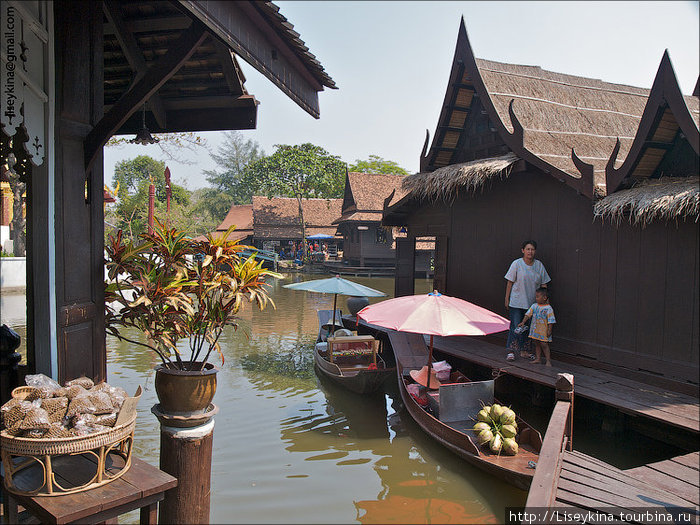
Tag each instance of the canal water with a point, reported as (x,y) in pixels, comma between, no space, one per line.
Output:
(289,448)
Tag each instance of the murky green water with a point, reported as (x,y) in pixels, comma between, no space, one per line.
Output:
(289,448)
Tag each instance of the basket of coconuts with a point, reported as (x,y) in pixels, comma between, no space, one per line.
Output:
(496,429)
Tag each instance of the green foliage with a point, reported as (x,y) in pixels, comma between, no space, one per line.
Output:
(304,171)
(5,254)
(131,174)
(376,164)
(233,155)
(174,288)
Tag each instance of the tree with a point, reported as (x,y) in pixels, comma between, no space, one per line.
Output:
(304,171)
(233,155)
(376,164)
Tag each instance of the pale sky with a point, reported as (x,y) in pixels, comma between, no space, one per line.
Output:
(391,62)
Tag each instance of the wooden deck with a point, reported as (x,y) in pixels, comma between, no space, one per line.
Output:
(629,396)
(592,486)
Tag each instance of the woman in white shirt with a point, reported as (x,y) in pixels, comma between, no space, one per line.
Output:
(524,276)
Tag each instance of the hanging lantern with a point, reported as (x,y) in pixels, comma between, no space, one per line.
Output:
(143,136)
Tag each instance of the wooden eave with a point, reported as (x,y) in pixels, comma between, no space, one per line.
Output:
(665,115)
(176,57)
(261,36)
(397,214)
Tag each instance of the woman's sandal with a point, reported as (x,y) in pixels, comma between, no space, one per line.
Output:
(510,356)
(533,358)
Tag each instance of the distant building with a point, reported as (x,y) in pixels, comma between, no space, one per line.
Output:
(276,220)
(240,215)
(366,242)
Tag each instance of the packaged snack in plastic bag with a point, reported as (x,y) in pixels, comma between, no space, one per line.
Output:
(13,412)
(118,395)
(57,431)
(107,420)
(75,391)
(101,401)
(80,404)
(36,418)
(83,381)
(56,407)
(43,383)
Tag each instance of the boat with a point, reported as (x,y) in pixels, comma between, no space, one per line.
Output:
(450,413)
(352,361)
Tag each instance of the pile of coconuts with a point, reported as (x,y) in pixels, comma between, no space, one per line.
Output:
(496,428)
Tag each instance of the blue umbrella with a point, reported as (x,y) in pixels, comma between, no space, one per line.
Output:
(336,285)
(320,236)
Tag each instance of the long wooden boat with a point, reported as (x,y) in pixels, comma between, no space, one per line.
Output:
(353,362)
(453,428)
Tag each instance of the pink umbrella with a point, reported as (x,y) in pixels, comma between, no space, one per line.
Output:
(433,314)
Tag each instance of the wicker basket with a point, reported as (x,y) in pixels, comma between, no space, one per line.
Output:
(23,392)
(108,450)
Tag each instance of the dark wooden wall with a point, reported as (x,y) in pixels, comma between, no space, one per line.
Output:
(79,203)
(623,296)
(366,250)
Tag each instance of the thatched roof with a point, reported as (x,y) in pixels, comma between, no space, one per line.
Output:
(445,182)
(365,194)
(653,199)
(565,125)
(278,218)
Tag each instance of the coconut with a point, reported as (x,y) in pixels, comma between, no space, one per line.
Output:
(496,443)
(481,425)
(510,446)
(507,417)
(496,411)
(484,436)
(508,431)
(483,415)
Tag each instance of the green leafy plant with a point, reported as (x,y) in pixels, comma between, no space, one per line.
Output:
(174,288)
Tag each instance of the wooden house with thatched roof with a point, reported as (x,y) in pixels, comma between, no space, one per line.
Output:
(276,220)
(603,176)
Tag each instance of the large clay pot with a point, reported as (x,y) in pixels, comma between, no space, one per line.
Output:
(355,304)
(185,391)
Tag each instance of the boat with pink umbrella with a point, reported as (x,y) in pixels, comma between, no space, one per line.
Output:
(444,402)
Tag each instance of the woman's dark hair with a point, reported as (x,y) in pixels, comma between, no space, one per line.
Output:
(525,243)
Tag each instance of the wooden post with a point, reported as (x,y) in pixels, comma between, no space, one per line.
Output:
(9,359)
(151,204)
(565,392)
(186,454)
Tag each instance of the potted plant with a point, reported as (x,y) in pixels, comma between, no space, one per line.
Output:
(178,290)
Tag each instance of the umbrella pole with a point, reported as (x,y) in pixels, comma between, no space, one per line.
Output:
(335,301)
(430,357)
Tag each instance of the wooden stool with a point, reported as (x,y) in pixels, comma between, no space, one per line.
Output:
(141,487)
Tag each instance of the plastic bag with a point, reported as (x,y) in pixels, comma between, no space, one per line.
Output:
(83,381)
(74,391)
(442,370)
(101,401)
(80,404)
(43,383)
(13,412)
(36,418)
(56,407)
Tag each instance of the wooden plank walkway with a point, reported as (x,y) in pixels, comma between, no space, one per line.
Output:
(592,486)
(629,396)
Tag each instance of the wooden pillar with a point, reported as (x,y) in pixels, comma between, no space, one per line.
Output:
(151,204)
(186,454)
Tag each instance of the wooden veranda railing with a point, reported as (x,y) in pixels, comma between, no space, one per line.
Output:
(557,439)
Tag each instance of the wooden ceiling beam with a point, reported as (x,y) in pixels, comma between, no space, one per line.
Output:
(133,55)
(157,75)
(147,25)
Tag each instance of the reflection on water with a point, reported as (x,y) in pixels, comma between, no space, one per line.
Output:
(289,448)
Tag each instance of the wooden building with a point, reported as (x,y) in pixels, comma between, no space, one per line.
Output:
(93,69)
(276,220)
(603,176)
(240,216)
(366,242)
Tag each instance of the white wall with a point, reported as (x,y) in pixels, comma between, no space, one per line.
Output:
(5,242)
(13,272)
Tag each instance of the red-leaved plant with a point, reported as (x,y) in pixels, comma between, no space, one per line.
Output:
(172,287)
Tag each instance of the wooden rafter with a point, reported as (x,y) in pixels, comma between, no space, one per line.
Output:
(157,75)
(133,55)
(232,73)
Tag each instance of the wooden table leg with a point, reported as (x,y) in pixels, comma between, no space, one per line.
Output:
(149,514)
(9,507)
